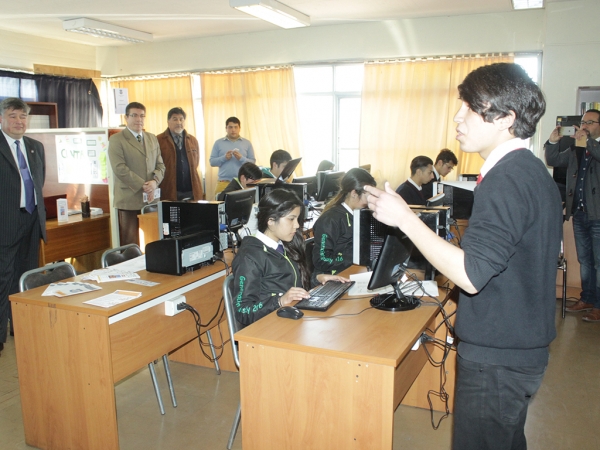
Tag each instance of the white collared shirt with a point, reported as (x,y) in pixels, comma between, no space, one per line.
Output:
(267,240)
(410,180)
(348,208)
(13,150)
(136,134)
(500,152)
(437,174)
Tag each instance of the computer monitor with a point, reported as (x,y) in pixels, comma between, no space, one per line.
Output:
(459,196)
(238,207)
(390,266)
(330,185)
(288,170)
(311,185)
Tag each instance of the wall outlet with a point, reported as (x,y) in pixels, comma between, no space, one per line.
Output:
(171,305)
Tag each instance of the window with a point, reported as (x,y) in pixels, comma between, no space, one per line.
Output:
(328,98)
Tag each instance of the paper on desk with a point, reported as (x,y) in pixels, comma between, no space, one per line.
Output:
(132,265)
(110,274)
(117,297)
(68,288)
(361,281)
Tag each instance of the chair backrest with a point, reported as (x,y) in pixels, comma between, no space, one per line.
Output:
(46,275)
(232,323)
(150,208)
(120,254)
(309,245)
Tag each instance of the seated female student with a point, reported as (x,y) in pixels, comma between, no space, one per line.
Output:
(332,252)
(270,268)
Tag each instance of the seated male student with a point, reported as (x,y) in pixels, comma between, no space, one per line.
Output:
(279,159)
(445,162)
(248,173)
(421,172)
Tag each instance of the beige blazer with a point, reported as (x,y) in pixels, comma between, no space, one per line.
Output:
(133,163)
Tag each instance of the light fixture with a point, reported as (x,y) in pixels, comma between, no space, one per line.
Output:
(272,11)
(527,4)
(106,30)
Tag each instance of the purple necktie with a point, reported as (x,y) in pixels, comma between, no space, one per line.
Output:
(280,249)
(27,180)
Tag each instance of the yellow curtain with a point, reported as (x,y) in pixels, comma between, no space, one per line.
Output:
(408,109)
(264,101)
(159,96)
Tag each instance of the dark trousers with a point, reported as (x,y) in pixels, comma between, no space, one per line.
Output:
(16,257)
(587,244)
(129,227)
(491,405)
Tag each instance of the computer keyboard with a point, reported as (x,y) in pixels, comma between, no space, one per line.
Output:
(323,296)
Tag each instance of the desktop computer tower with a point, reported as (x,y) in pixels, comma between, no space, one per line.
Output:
(369,234)
(443,218)
(459,196)
(181,218)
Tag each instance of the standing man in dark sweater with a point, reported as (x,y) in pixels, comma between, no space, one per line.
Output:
(507,265)
(421,172)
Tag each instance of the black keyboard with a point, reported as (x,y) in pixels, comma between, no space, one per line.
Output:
(325,295)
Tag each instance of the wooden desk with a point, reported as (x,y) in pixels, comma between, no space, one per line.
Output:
(328,383)
(70,355)
(76,237)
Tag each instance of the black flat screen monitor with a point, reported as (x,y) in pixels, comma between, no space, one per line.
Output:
(311,185)
(288,170)
(330,185)
(390,266)
(238,207)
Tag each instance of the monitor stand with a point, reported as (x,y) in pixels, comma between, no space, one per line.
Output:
(394,301)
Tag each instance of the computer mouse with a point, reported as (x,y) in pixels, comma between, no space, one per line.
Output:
(289,312)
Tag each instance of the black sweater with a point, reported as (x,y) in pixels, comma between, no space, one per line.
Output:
(261,276)
(511,246)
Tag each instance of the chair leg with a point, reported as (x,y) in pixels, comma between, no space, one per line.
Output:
(234,426)
(564,289)
(213,353)
(156,390)
(169,380)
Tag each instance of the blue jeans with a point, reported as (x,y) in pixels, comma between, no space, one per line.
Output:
(587,243)
(491,405)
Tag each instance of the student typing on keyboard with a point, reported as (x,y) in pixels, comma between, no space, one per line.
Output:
(332,252)
(270,268)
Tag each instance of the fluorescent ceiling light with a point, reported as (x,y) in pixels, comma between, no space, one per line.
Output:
(527,4)
(106,30)
(272,11)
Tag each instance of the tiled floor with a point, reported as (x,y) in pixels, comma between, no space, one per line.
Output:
(562,415)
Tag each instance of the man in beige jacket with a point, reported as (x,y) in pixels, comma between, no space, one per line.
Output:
(138,169)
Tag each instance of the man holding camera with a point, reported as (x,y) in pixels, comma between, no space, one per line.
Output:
(583,203)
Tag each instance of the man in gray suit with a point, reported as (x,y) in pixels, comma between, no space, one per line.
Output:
(22,175)
(138,168)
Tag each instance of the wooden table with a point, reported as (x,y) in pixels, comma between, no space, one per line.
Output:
(74,238)
(324,382)
(70,355)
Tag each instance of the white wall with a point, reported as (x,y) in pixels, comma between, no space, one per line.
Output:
(514,31)
(571,56)
(21,51)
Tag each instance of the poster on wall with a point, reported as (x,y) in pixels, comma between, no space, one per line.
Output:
(121,100)
(81,158)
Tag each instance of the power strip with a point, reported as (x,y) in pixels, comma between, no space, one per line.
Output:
(171,305)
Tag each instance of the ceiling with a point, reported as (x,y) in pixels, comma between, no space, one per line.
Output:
(170,20)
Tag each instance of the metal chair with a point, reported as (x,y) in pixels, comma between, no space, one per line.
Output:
(562,265)
(150,208)
(119,255)
(46,275)
(233,326)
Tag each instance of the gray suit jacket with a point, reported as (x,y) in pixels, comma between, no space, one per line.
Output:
(10,186)
(133,163)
